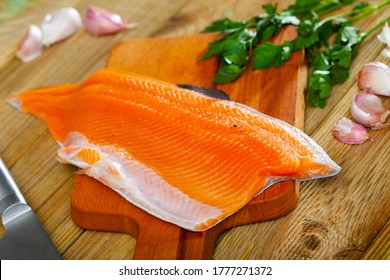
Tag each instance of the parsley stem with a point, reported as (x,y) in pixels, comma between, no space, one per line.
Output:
(323,7)
(366,11)
(330,7)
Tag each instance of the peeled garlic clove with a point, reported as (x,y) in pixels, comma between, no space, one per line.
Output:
(31,46)
(349,132)
(375,76)
(60,25)
(386,52)
(384,37)
(367,109)
(101,22)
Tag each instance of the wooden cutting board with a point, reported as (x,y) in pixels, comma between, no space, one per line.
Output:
(277,92)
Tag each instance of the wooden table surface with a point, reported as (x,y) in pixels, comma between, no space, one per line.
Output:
(344,217)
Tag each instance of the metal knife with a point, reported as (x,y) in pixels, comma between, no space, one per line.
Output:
(24,237)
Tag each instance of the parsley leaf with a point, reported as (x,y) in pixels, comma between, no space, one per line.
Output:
(319,88)
(268,32)
(227,73)
(270,9)
(319,61)
(215,48)
(341,57)
(339,75)
(348,35)
(326,28)
(269,55)
(285,52)
(307,40)
(265,56)
(226,26)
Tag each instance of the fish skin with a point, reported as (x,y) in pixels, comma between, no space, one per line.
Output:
(211,92)
(181,156)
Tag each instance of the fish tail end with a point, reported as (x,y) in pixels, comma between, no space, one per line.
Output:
(318,168)
(15,102)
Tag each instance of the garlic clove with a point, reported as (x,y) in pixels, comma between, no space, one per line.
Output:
(367,109)
(349,132)
(60,25)
(384,37)
(386,52)
(102,22)
(31,46)
(375,76)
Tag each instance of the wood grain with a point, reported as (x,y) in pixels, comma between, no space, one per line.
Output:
(379,249)
(339,218)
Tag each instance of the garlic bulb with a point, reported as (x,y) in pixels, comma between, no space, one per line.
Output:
(31,46)
(101,22)
(349,132)
(375,76)
(60,25)
(367,109)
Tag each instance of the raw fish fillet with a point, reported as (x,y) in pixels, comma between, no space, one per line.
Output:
(183,157)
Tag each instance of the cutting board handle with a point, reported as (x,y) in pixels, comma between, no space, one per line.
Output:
(160,240)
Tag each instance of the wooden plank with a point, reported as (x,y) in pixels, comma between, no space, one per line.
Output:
(380,247)
(345,215)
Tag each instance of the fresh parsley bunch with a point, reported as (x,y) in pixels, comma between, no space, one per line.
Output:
(329,60)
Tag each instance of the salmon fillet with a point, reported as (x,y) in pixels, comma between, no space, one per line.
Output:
(181,156)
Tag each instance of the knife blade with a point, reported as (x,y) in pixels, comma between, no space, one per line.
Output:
(24,237)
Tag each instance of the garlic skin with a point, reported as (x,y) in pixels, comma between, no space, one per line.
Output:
(349,132)
(60,25)
(384,37)
(31,46)
(367,109)
(386,52)
(375,76)
(102,22)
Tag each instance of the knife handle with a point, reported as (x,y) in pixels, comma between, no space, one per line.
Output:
(9,191)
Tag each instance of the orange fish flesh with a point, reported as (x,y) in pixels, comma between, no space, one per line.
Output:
(181,156)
